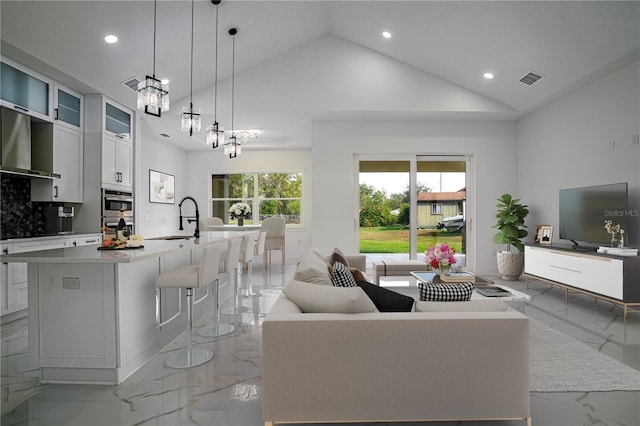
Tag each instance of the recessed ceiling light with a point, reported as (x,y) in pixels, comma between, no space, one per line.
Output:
(110,38)
(488,75)
(386,34)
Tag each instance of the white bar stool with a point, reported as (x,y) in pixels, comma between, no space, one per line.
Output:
(217,329)
(232,268)
(190,277)
(262,238)
(249,254)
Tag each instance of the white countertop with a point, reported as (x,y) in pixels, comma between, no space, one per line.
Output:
(91,254)
(232,228)
(49,237)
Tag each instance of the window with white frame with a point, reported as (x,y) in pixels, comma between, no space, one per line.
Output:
(436,208)
(268,194)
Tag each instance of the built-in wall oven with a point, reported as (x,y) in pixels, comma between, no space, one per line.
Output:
(114,202)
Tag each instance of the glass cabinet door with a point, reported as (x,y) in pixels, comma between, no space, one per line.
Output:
(24,90)
(69,108)
(117,121)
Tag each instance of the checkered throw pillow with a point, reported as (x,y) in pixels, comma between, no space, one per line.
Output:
(457,292)
(341,276)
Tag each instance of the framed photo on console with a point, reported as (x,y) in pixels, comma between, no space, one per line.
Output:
(546,232)
(538,234)
(161,187)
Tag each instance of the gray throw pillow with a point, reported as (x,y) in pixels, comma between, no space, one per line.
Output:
(338,256)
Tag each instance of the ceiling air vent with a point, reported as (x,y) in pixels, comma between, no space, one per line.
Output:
(531,78)
(132,83)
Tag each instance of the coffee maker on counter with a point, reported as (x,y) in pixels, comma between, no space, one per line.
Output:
(58,220)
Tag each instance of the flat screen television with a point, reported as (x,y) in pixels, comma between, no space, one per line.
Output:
(583,212)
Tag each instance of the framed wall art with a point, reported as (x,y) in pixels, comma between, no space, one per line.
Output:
(161,187)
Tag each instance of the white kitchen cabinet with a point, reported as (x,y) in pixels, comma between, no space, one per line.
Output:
(68,107)
(14,284)
(14,275)
(4,282)
(106,116)
(13,291)
(85,240)
(117,163)
(66,159)
(25,90)
(113,124)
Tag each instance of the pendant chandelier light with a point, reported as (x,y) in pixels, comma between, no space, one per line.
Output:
(153,95)
(190,115)
(215,133)
(232,146)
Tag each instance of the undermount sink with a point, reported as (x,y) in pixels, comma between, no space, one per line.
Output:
(173,237)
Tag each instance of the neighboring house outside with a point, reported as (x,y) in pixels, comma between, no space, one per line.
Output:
(433,207)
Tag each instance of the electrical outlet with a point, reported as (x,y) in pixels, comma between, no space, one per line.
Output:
(636,139)
(70,283)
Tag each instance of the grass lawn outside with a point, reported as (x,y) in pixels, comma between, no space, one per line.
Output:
(395,239)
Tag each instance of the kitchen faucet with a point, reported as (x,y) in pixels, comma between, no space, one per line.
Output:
(190,219)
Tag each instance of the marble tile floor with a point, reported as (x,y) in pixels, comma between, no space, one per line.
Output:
(226,390)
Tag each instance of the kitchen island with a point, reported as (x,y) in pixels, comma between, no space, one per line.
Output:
(94,314)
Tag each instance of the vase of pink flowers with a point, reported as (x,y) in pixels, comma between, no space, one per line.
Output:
(440,257)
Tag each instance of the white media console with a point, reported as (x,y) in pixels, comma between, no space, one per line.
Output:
(614,279)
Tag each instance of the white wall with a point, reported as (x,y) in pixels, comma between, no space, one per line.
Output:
(153,219)
(567,144)
(491,143)
(200,165)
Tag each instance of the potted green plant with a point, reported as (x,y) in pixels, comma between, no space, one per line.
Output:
(511,214)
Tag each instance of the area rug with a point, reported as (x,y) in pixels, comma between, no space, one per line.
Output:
(560,363)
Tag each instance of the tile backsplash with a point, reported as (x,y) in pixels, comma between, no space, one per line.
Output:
(19,216)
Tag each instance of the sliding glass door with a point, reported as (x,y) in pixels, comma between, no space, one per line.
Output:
(441,203)
(385,207)
(405,206)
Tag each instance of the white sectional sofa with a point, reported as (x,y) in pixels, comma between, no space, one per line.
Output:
(462,361)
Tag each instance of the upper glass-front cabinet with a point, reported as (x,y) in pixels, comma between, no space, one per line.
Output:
(105,115)
(117,121)
(24,90)
(68,107)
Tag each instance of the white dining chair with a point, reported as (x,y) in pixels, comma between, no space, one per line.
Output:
(275,238)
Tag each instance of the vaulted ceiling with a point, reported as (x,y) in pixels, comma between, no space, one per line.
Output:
(299,61)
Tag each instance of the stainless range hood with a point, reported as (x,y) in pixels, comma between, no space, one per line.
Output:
(16,146)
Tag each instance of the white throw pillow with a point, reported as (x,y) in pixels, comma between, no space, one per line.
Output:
(311,269)
(326,258)
(312,298)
